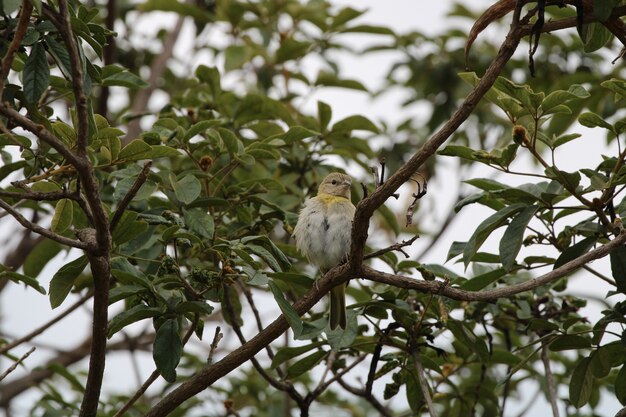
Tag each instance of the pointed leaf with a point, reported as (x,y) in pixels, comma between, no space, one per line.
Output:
(63,281)
(511,242)
(187,189)
(483,231)
(167,349)
(581,384)
(290,314)
(36,73)
(618,267)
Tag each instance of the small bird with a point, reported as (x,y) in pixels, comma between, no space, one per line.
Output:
(323,235)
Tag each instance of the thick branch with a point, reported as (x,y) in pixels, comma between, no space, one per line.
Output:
(41,132)
(437,287)
(101,271)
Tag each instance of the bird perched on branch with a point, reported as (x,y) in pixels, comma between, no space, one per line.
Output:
(323,235)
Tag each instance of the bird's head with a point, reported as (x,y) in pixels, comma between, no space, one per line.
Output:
(336,184)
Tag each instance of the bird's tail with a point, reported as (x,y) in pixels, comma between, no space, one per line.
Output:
(338,307)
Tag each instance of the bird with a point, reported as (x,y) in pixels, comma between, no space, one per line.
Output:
(323,235)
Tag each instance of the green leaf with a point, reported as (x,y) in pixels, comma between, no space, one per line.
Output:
(128,228)
(199,307)
(291,49)
(211,77)
(290,314)
(198,128)
(617,86)
(231,141)
(620,385)
(371,29)
(287,353)
(37,5)
(25,279)
(297,133)
(36,73)
(355,123)
(570,342)
(187,189)
(160,151)
(575,251)
(60,55)
(124,291)
(39,257)
(199,221)
(595,35)
(602,8)
(479,282)
(114,75)
(132,315)
(63,281)
(414,394)
(562,140)
(134,151)
(618,267)
(63,216)
(181,8)
(483,231)
(590,119)
(581,383)
(305,364)
(324,114)
(235,56)
(328,79)
(511,241)
(469,339)
(167,349)
(10,6)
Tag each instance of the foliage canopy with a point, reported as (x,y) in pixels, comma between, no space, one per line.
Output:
(178,215)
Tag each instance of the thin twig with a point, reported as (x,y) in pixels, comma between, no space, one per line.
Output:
(394,247)
(132,192)
(16,364)
(43,231)
(369,397)
(549,379)
(280,385)
(419,369)
(216,340)
(46,325)
(325,384)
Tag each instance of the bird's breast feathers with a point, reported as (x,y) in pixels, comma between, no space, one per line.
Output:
(323,230)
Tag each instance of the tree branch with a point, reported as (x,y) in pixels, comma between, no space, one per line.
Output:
(437,287)
(552,395)
(132,192)
(366,207)
(43,231)
(20,31)
(16,364)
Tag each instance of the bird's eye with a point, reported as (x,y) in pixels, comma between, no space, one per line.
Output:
(334,182)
